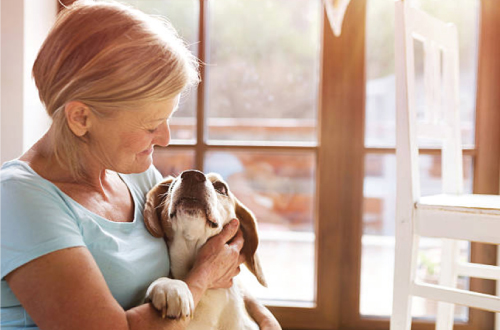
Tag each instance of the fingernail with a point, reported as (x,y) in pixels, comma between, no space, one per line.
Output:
(234,222)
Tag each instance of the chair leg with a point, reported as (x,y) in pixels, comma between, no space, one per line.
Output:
(448,277)
(404,274)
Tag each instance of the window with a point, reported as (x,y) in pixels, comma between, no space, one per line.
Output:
(254,120)
(301,124)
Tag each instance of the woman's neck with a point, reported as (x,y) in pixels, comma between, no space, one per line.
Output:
(42,159)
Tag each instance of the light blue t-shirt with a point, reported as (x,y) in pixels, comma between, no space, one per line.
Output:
(38,218)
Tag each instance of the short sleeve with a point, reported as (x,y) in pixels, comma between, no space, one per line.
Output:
(35,221)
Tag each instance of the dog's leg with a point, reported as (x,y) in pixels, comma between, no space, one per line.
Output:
(172,297)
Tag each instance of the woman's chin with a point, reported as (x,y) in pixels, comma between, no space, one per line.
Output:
(142,164)
(145,165)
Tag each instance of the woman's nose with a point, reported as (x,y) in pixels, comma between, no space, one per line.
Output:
(162,137)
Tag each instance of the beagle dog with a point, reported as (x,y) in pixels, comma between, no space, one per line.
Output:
(187,211)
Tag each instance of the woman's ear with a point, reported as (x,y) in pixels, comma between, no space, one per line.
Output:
(78,117)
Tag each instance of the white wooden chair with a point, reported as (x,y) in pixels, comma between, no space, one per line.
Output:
(451,215)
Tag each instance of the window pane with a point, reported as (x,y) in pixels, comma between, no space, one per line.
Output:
(173,161)
(263,70)
(377,264)
(184,16)
(279,189)
(380,88)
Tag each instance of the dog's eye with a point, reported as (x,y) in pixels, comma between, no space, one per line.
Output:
(220,187)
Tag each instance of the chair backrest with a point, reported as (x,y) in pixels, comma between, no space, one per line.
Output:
(440,119)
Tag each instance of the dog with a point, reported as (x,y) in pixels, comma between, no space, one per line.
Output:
(187,211)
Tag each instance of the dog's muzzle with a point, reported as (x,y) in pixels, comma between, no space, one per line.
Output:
(193,195)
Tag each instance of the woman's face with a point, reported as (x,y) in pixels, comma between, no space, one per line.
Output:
(124,143)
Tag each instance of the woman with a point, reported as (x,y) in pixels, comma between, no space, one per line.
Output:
(75,251)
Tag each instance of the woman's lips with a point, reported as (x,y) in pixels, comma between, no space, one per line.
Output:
(147,152)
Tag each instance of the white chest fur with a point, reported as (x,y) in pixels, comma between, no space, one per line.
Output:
(219,309)
(222,309)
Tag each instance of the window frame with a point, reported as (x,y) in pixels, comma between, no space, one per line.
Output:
(340,157)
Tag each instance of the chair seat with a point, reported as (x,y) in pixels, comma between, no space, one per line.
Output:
(475,203)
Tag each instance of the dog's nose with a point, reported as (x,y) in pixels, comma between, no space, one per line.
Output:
(193,176)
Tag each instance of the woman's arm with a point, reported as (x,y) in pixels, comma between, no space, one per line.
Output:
(66,290)
(264,318)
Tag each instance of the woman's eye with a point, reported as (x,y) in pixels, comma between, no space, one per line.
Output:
(153,130)
(220,188)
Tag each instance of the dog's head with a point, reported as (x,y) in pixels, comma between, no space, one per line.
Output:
(197,206)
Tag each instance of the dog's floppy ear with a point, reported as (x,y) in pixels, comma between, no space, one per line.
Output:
(248,225)
(152,208)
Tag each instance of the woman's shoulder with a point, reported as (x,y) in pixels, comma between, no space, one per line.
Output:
(19,171)
(18,180)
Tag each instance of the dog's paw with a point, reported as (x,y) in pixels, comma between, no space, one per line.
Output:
(172,297)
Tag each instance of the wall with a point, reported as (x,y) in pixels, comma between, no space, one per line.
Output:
(24,25)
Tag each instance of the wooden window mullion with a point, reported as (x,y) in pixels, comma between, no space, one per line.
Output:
(487,161)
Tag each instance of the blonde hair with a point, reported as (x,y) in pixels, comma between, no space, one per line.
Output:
(108,56)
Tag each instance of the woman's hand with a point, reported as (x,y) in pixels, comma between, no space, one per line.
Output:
(218,262)
(219,259)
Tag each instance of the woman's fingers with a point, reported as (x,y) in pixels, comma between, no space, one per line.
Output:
(229,231)
(237,241)
(221,256)
(241,259)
